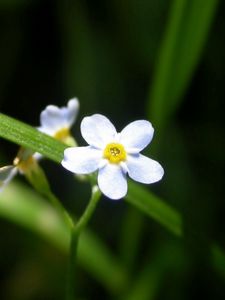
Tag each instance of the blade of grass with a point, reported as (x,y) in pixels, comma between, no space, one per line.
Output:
(147,283)
(21,205)
(164,256)
(129,243)
(196,29)
(29,137)
(154,207)
(138,196)
(25,135)
(188,27)
(171,219)
(165,64)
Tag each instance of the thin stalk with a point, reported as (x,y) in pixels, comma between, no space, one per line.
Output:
(37,178)
(75,233)
(60,208)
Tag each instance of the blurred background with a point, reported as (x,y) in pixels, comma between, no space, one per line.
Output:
(150,59)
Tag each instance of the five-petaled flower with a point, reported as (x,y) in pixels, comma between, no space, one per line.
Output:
(114,155)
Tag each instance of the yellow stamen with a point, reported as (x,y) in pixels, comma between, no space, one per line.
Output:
(24,165)
(115,153)
(62,134)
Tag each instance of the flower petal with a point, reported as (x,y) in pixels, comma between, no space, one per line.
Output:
(6,175)
(81,160)
(54,118)
(144,169)
(137,135)
(97,130)
(72,111)
(37,156)
(112,181)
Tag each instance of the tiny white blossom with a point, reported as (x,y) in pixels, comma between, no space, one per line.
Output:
(114,155)
(57,121)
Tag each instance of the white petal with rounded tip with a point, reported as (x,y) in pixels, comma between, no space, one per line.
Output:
(112,181)
(137,135)
(72,110)
(144,169)
(98,131)
(81,160)
(6,175)
(54,118)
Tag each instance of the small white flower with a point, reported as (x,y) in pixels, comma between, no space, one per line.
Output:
(57,121)
(114,155)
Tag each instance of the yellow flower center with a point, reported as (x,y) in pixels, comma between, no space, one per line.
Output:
(62,134)
(24,165)
(115,153)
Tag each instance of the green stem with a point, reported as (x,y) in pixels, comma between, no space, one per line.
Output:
(75,233)
(71,276)
(60,208)
(37,178)
(82,222)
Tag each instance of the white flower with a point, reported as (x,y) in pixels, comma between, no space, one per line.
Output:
(114,155)
(57,121)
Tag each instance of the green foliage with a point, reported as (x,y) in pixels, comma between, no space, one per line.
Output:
(155,208)
(29,137)
(118,58)
(22,206)
(28,216)
(180,51)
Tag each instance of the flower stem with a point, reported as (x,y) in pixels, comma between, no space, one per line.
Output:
(37,178)
(58,205)
(71,275)
(82,222)
(75,233)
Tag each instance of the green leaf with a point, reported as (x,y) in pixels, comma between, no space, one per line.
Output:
(18,208)
(185,36)
(29,137)
(149,278)
(155,208)
(169,218)
(23,206)
(129,243)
